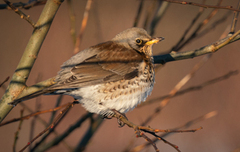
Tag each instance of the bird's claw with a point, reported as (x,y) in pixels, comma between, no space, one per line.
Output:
(118,115)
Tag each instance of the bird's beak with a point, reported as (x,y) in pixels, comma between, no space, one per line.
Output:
(155,40)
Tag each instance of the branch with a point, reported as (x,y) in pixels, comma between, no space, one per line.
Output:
(95,124)
(202,5)
(82,29)
(34,114)
(234,21)
(58,139)
(140,129)
(72,18)
(193,88)
(195,32)
(161,10)
(42,121)
(188,29)
(27,5)
(186,125)
(174,56)
(19,12)
(177,87)
(17,132)
(4,81)
(52,126)
(19,78)
(136,20)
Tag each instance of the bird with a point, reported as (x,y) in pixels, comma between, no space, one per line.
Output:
(113,76)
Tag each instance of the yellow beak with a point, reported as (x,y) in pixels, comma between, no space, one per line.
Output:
(155,40)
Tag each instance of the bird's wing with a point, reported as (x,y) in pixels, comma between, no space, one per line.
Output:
(102,63)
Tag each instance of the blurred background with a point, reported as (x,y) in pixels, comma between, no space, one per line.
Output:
(106,19)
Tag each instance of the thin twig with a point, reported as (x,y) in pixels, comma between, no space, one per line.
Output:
(95,124)
(138,130)
(186,125)
(160,11)
(37,108)
(28,5)
(19,12)
(139,133)
(34,114)
(50,122)
(17,132)
(178,86)
(58,139)
(82,29)
(51,127)
(193,88)
(166,142)
(138,14)
(188,29)
(214,25)
(234,21)
(72,20)
(199,27)
(203,5)
(45,124)
(149,14)
(59,100)
(4,81)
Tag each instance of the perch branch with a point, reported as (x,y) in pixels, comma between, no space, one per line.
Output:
(174,56)
(186,125)
(140,129)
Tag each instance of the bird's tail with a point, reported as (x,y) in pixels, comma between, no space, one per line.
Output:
(30,96)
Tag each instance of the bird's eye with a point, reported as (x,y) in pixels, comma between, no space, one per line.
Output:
(138,41)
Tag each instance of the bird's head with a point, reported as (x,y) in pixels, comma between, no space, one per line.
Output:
(137,39)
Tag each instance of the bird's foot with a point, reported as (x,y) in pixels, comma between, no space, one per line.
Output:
(118,115)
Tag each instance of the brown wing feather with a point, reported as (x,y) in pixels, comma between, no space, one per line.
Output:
(112,62)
